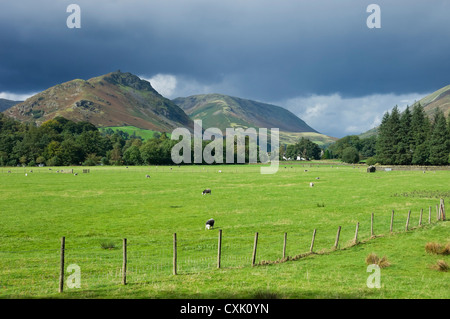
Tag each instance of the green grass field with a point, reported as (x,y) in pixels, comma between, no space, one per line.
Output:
(112,203)
(145,134)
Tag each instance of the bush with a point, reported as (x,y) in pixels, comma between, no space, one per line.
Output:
(91,160)
(54,161)
(104,161)
(371,161)
(350,155)
(40,159)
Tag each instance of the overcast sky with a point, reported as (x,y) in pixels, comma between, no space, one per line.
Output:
(317,58)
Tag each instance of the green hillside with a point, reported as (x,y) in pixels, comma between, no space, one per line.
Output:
(113,99)
(436,100)
(439,99)
(222,111)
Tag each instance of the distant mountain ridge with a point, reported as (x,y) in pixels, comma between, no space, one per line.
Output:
(121,99)
(439,99)
(223,111)
(6,104)
(113,99)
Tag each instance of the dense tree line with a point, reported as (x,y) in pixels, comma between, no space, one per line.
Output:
(352,149)
(61,142)
(304,148)
(407,138)
(412,138)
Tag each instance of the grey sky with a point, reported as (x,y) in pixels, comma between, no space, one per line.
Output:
(311,57)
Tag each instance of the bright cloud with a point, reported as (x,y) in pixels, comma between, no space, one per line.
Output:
(337,116)
(173,86)
(332,115)
(15,97)
(165,84)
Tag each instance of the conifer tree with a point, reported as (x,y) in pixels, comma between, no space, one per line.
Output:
(439,140)
(420,129)
(389,137)
(404,146)
(382,145)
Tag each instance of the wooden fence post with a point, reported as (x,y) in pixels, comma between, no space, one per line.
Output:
(312,242)
(337,238)
(219,248)
(407,221)
(442,208)
(356,233)
(61,266)
(392,222)
(371,227)
(255,245)
(174,253)
(420,219)
(124,264)
(284,245)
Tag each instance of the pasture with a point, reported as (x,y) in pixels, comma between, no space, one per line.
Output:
(95,211)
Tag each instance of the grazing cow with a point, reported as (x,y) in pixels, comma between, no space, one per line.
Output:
(209,224)
(206,191)
(317,177)
(147,176)
(76,174)
(311,184)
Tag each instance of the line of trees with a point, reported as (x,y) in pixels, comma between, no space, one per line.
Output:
(352,149)
(407,138)
(62,142)
(412,138)
(404,138)
(59,142)
(304,148)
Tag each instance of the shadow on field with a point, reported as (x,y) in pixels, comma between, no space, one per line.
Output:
(263,294)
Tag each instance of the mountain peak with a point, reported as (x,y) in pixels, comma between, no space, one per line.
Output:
(218,110)
(130,80)
(113,99)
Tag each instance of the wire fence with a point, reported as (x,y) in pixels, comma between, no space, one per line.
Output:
(90,265)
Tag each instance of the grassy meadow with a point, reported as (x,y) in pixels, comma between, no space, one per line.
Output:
(95,211)
(145,134)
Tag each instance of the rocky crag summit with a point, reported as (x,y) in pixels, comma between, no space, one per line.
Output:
(113,99)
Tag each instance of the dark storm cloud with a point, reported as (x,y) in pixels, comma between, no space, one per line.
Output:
(272,50)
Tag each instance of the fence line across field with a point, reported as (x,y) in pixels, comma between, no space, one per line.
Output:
(145,261)
(183,262)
